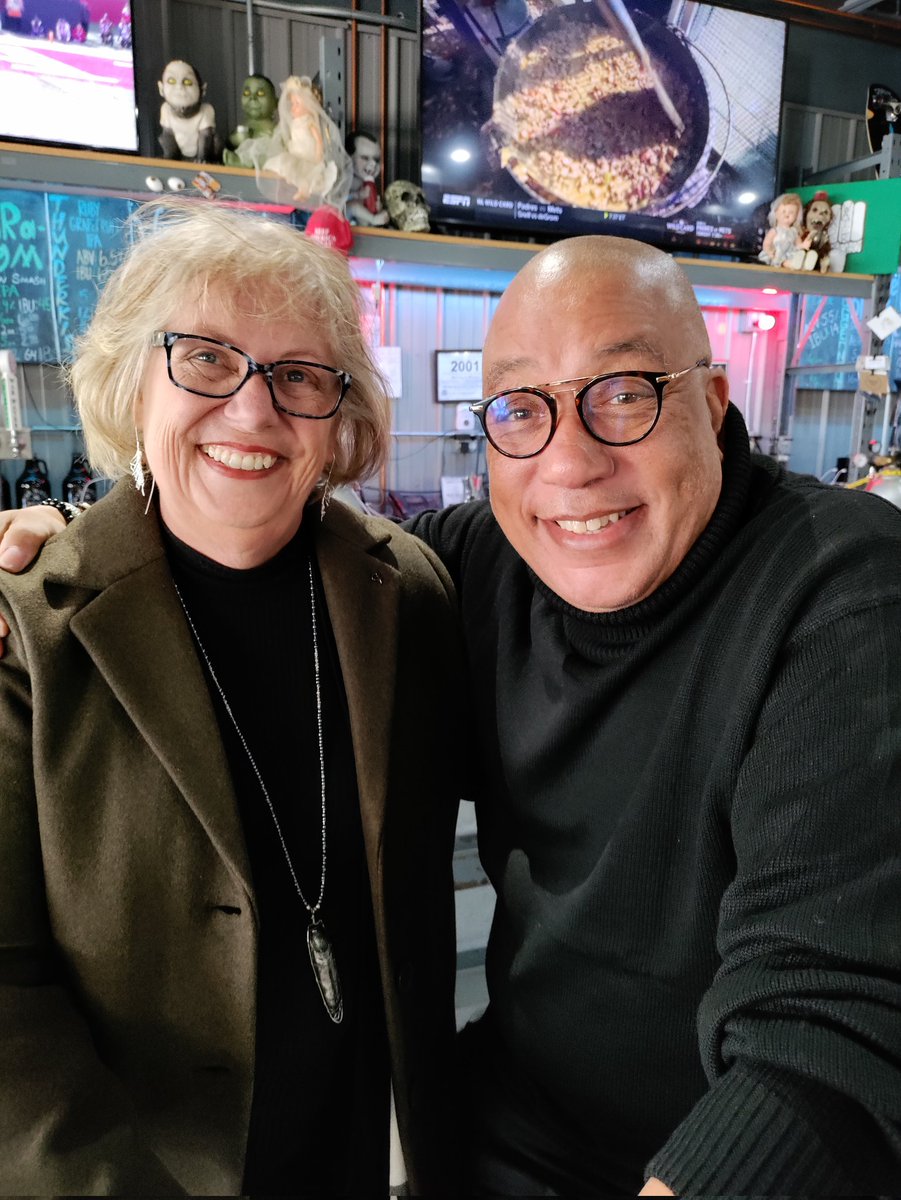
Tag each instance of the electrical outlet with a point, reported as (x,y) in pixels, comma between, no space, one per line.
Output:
(464,420)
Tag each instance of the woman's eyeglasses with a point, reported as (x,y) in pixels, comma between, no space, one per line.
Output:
(207,367)
(619,408)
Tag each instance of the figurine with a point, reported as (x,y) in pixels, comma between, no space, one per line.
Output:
(815,234)
(785,230)
(63,30)
(187,124)
(259,104)
(305,152)
(407,206)
(106,30)
(364,205)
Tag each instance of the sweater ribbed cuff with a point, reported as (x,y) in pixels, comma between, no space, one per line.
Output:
(746,1136)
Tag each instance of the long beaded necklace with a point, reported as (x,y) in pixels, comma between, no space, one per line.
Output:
(322,956)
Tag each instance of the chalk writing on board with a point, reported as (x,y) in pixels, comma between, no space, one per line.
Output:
(88,243)
(27,323)
(56,253)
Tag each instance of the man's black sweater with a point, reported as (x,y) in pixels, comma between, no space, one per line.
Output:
(691,812)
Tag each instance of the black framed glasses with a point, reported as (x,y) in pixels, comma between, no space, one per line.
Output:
(618,408)
(207,367)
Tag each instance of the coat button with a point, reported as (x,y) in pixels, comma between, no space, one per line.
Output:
(375,577)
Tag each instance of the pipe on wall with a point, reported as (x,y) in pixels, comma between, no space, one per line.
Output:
(341,14)
(251,48)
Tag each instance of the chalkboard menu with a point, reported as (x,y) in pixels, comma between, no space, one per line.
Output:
(56,252)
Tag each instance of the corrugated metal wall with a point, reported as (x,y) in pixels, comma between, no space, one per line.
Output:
(422,320)
(381,87)
(813,139)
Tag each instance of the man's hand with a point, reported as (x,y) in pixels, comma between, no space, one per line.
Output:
(22,533)
(654,1187)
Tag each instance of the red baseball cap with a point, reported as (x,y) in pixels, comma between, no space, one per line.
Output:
(329,228)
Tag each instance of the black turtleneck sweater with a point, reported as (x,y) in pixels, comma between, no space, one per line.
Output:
(691,812)
(319,1121)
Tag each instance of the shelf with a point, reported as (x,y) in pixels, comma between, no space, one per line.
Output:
(440,250)
(40,167)
(37,167)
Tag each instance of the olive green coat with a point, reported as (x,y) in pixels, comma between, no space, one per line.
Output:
(128,927)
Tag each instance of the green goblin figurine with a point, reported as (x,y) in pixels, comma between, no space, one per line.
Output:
(259,104)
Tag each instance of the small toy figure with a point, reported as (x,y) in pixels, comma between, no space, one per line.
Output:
(206,184)
(305,152)
(105,26)
(63,30)
(258,104)
(785,230)
(407,206)
(815,234)
(364,205)
(37,27)
(187,124)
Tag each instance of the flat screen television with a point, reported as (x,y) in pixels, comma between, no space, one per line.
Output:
(67,73)
(538,117)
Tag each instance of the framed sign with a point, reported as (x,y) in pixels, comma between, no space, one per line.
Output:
(458,375)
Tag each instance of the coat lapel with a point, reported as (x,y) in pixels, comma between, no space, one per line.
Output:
(134,630)
(135,633)
(362,591)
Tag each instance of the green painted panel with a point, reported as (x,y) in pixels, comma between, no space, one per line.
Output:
(882,236)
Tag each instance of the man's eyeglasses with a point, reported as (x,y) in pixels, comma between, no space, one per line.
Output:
(618,409)
(208,367)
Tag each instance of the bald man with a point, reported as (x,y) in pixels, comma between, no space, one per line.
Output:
(687,710)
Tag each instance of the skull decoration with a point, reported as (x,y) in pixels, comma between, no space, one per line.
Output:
(407,206)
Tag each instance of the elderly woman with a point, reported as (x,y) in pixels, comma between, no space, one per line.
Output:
(226,913)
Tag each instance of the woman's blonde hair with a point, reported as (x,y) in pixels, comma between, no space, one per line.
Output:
(183,251)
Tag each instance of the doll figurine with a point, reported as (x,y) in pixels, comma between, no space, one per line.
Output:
(364,205)
(303,163)
(187,123)
(784,233)
(815,234)
(258,104)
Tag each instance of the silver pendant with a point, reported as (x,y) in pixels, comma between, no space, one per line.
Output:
(325,970)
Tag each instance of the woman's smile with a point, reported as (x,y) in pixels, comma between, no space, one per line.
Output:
(240,459)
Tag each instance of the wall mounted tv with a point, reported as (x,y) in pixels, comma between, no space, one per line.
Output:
(537,117)
(67,73)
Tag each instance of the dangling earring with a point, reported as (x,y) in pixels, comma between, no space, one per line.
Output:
(149,496)
(137,464)
(327,490)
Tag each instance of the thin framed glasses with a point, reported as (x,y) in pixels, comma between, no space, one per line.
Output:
(618,408)
(207,367)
